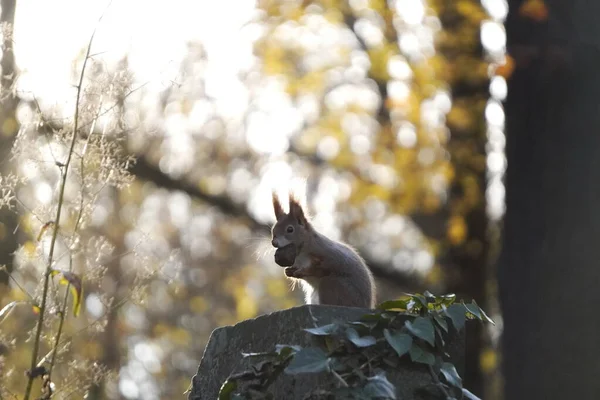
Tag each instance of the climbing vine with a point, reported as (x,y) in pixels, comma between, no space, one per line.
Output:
(359,354)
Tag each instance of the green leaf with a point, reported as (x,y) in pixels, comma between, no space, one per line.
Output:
(285,350)
(473,308)
(420,299)
(429,296)
(358,341)
(456,312)
(400,304)
(227,390)
(485,316)
(309,360)
(447,299)
(369,324)
(324,330)
(468,395)
(379,387)
(439,338)
(417,354)
(441,321)
(451,375)
(422,328)
(375,317)
(400,342)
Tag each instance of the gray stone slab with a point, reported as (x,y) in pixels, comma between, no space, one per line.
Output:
(222,355)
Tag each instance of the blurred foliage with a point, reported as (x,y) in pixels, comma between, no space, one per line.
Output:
(379,103)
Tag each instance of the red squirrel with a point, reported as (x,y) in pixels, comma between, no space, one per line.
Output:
(330,272)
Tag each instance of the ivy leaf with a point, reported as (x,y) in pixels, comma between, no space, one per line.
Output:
(227,390)
(456,312)
(375,317)
(370,324)
(483,314)
(451,375)
(417,354)
(447,299)
(468,395)
(75,284)
(429,296)
(400,342)
(473,308)
(441,321)
(419,299)
(422,328)
(309,360)
(400,304)
(285,350)
(324,330)
(379,387)
(358,341)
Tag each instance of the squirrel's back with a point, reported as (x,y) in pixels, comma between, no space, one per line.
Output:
(350,282)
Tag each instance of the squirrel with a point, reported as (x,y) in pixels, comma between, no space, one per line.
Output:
(330,272)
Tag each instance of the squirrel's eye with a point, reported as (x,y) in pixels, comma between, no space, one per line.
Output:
(290,229)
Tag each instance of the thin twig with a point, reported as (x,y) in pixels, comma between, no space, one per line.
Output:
(67,340)
(339,378)
(64,170)
(12,278)
(63,314)
(81,166)
(438,383)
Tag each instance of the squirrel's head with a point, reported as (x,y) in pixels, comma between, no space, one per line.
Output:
(291,227)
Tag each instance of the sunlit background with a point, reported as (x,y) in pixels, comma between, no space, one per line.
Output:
(221,102)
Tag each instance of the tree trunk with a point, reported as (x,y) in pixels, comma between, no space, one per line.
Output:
(549,270)
(466,262)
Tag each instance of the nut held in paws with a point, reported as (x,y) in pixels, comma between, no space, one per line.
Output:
(285,256)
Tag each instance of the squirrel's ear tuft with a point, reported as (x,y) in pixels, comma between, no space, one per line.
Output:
(279,213)
(297,212)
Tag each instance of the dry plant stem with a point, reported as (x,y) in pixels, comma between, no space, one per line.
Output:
(63,184)
(339,378)
(63,315)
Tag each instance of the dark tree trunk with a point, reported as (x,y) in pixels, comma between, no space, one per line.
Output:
(549,273)
(466,262)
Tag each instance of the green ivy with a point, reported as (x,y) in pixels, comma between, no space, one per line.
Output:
(355,353)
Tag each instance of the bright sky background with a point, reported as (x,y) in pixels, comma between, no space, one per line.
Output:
(49,35)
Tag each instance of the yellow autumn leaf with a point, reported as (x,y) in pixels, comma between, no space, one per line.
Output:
(488,360)
(506,69)
(457,230)
(198,305)
(75,284)
(30,249)
(534,9)
(246,307)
